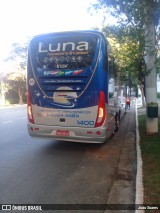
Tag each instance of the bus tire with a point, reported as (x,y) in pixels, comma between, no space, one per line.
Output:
(112,134)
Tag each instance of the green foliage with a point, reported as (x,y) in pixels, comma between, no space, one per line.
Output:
(19,54)
(150,149)
(152,104)
(110,95)
(15,80)
(128,13)
(12,101)
(127,38)
(127,51)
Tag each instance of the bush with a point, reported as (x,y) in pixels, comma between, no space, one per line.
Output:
(12,101)
(110,95)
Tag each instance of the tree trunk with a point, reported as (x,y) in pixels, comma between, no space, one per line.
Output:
(150,58)
(142,93)
(3,100)
(20,96)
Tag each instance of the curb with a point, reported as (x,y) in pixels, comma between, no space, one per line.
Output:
(139,176)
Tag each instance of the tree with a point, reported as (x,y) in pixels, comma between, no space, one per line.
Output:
(150,61)
(142,18)
(127,51)
(16,81)
(18,54)
(3,89)
(128,54)
(16,78)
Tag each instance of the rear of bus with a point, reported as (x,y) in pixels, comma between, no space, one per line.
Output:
(68,87)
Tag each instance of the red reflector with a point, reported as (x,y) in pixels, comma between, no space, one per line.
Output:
(101,115)
(36,128)
(98,133)
(30,114)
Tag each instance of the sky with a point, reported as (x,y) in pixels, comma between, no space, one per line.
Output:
(20,19)
(23,19)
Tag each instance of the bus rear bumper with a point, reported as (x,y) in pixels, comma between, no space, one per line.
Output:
(75,134)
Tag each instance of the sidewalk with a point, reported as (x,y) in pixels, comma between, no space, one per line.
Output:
(123,187)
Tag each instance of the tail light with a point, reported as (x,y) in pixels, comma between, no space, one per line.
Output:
(101,115)
(30,114)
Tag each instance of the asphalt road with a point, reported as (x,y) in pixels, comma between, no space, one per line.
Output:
(36,171)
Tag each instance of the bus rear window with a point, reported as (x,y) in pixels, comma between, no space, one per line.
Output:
(64,52)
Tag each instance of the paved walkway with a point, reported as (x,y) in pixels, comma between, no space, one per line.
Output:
(123,189)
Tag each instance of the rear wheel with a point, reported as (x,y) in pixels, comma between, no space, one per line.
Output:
(112,134)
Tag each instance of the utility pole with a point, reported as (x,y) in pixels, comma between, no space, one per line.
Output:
(150,61)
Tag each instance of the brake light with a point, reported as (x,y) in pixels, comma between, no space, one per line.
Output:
(101,115)
(30,114)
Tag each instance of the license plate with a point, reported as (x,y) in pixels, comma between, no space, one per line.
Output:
(62,133)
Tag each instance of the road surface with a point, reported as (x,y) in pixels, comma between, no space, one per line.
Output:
(39,171)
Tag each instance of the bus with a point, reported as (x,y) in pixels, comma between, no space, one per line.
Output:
(68,88)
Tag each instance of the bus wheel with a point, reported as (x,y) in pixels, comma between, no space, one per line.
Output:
(116,127)
(112,134)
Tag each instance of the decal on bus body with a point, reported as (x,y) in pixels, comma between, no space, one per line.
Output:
(83,117)
(82,46)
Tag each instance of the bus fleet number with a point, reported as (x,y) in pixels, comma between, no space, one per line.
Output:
(85,122)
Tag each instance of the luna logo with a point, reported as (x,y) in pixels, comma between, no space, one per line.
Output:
(80,46)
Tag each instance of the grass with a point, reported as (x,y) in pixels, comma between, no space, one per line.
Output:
(150,148)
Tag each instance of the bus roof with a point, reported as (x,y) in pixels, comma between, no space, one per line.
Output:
(67,32)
